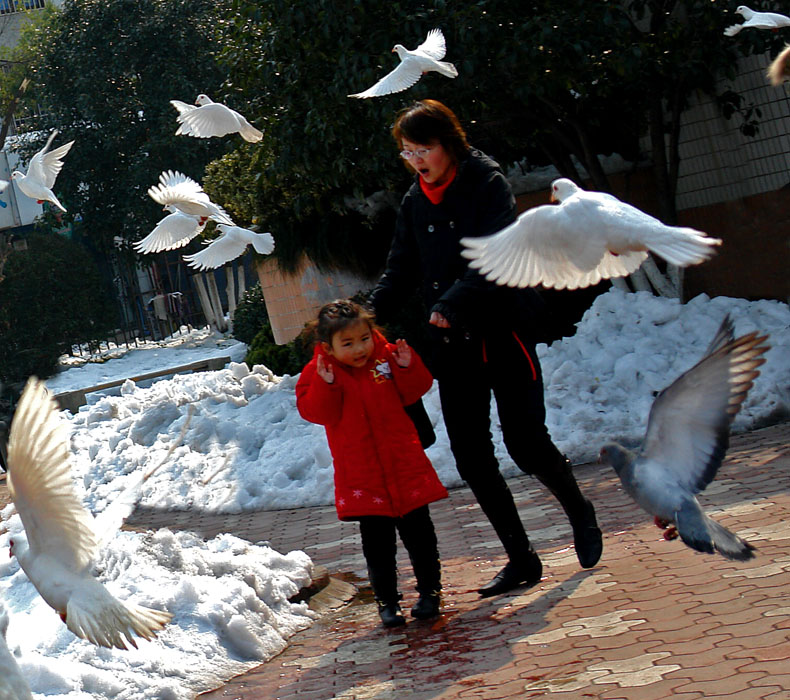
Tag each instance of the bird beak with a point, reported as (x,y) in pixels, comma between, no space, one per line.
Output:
(552,198)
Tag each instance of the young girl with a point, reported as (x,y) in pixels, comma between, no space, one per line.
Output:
(356,386)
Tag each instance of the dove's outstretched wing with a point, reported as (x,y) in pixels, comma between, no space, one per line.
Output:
(406,74)
(174,231)
(182,192)
(434,46)
(45,165)
(39,480)
(548,245)
(229,246)
(689,424)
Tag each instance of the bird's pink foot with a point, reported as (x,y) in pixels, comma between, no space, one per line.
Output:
(671,533)
(62,616)
(39,201)
(661,523)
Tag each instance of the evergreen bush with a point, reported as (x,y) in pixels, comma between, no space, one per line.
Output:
(250,315)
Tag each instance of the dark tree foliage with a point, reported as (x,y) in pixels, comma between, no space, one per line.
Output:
(52,274)
(104,73)
(542,80)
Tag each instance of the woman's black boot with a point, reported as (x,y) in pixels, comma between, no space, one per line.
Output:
(587,538)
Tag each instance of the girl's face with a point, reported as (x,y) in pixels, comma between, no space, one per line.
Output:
(353,345)
(434,167)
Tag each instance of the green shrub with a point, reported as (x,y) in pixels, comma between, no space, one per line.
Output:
(52,297)
(280,359)
(250,315)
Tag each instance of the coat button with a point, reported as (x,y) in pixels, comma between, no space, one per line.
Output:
(452,224)
(430,228)
(467,336)
(435,285)
(446,338)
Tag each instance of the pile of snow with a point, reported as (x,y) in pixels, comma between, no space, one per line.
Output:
(230,608)
(245,446)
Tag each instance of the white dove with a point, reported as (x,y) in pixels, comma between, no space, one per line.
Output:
(59,545)
(757,20)
(42,172)
(187,196)
(174,231)
(426,57)
(13,685)
(588,237)
(211,118)
(687,437)
(232,243)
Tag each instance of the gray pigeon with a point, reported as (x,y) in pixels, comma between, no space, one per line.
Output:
(687,437)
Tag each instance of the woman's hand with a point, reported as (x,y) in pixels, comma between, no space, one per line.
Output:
(402,353)
(324,370)
(438,320)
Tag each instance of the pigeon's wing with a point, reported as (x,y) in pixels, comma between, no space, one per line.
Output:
(174,231)
(217,253)
(406,74)
(689,423)
(434,45)
(175,187)
(182,107)
(44,167)
(547,245)
(4,185)
(39,480)
(733,29)
(209,120)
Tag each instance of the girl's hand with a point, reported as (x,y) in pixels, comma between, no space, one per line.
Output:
(402,353)
(324,370)
(438,320)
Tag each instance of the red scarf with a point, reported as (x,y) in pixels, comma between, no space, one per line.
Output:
(434,192)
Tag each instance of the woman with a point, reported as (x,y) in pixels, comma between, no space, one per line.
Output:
(483,335)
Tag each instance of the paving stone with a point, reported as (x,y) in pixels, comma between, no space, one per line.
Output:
(654,620)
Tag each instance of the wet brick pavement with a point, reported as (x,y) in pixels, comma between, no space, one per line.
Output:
(653,620)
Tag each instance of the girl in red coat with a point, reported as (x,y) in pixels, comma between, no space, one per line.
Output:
(356,386)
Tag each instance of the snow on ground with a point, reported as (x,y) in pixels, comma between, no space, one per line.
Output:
(232,440)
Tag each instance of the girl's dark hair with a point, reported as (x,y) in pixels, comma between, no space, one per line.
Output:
(427,121)
(336,316)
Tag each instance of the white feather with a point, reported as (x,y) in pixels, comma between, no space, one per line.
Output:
(229,246)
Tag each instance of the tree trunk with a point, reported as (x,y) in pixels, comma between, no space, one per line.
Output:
(213,292)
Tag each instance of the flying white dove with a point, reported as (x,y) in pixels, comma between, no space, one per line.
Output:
(232,243)
(41,173)
(174,231)
(687,437)
(588,237)
(426,57)
(779,70)
(211,118)
(758,20)
(187,196)
(13,685)
(58,547)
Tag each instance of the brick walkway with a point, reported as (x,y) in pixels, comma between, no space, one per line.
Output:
(653,620)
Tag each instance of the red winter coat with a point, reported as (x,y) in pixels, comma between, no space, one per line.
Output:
(380,466)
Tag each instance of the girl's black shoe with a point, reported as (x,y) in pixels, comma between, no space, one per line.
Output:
(426,607)
(391,614)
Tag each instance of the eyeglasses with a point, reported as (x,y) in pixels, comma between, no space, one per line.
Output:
(420,153)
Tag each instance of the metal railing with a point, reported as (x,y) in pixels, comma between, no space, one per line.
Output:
(9,7)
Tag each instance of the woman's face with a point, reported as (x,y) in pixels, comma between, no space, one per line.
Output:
(434,166)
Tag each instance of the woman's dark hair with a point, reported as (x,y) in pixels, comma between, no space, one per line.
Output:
(336,316)
(427,121)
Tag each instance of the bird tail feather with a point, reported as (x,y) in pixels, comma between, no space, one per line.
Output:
(108,626)
(686,247)
(447,69)
(728,544)
(250,133)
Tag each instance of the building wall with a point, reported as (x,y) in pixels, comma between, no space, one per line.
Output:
(293,299)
